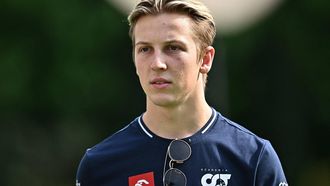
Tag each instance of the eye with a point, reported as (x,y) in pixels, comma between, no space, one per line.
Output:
(143,49)
(173,48)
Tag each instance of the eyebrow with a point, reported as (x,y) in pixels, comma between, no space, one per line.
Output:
(141,43)
(166,42)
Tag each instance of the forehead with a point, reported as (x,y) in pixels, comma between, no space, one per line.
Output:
(163,26)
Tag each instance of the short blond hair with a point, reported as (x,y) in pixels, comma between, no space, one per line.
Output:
(203,26)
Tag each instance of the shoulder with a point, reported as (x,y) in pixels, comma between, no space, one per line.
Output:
(108,150)
(237,141)
(118,143)
(126,137)
(269,170)
(251,148)
(236,133)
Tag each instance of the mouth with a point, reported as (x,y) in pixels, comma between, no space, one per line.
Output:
(160,82)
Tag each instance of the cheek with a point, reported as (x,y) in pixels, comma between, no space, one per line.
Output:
(139,72)
(186,73)
(188,66)
(138,66)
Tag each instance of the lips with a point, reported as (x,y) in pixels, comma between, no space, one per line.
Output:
(160,82)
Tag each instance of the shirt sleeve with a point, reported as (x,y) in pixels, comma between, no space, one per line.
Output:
(269,170)
(83,173)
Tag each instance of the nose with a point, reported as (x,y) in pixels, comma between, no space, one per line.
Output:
(158,62)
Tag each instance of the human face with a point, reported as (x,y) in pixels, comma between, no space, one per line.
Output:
(165,55)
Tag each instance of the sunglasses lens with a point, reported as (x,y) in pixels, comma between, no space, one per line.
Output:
(179,150)
(174,177)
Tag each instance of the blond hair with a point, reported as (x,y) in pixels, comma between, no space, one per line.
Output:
(203,23)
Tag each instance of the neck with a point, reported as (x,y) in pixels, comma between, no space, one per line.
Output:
(177,122)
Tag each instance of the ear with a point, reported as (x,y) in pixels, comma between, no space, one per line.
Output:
(207,60)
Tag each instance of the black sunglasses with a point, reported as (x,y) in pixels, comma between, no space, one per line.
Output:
(178,151)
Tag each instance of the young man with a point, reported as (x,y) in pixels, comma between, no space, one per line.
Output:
(179,140)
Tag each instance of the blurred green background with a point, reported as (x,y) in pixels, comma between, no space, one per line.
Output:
(67,81)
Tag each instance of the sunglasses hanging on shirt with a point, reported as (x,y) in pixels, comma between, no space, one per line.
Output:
(178,151)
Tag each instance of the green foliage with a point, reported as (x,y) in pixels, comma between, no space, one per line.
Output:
(67,81)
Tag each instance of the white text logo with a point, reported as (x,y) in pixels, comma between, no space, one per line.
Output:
(215,180)
(283,184)
(142,182)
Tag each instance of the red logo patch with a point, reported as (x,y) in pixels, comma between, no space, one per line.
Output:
(146,179)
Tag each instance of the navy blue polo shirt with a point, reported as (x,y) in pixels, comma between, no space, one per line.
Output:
(223,154)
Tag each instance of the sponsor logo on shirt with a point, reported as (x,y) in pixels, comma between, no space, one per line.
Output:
(145,179)
(283,184)
(215,177)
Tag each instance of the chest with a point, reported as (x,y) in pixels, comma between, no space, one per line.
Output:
(207,166)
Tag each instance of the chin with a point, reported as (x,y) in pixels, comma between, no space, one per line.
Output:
(163,101)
